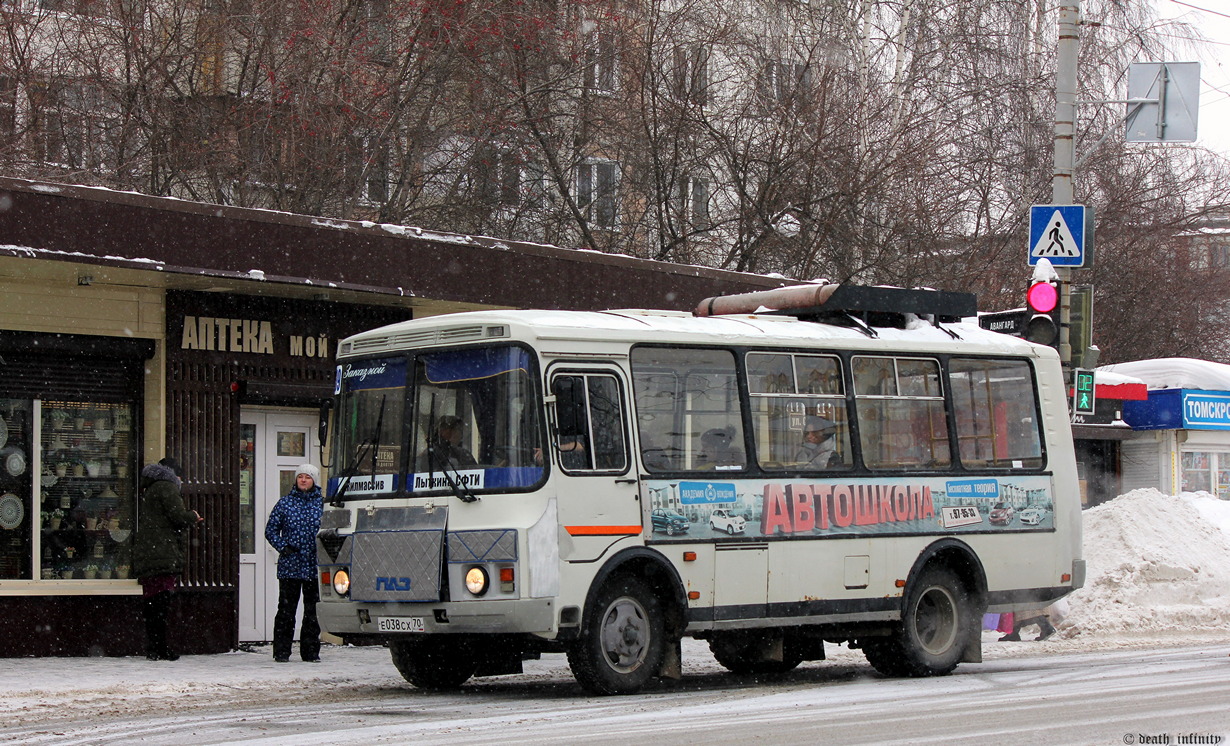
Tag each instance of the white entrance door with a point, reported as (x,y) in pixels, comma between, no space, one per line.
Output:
(272,443)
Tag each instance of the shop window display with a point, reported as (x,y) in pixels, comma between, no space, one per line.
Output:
(88,490)
(1196,474)
(16,517)
(1207,471)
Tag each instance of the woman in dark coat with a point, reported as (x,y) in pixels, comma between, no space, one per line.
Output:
(291,530)
(159,548)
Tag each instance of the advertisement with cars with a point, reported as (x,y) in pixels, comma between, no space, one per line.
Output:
(761,508)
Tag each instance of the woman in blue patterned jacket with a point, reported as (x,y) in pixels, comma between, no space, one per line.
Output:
(292,528)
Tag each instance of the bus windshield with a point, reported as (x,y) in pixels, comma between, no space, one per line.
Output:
(476,424)
(369,417)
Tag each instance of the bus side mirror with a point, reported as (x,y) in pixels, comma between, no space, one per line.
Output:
(326,410)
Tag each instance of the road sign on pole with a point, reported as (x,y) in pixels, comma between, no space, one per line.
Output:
(1163,102)
(1004,322)
(1057,233)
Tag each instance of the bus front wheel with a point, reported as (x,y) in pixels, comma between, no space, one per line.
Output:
(623,640)
(935,628)
(431,663)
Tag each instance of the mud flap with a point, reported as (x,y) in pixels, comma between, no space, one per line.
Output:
(672,661)
(499,666)
(810,648)
(973,648)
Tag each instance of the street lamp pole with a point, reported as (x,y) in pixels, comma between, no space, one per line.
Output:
(1062,190)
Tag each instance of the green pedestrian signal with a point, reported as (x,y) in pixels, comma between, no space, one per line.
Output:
(1085,401)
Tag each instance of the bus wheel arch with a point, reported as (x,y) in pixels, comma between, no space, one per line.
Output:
(941,614)
(634,611)
(962,560)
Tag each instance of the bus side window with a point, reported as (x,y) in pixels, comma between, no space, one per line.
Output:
(688,409)
(996,413)
(656,392)
(589,423)
(901,416)
(788,391)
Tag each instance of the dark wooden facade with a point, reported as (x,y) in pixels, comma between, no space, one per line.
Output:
(205,389)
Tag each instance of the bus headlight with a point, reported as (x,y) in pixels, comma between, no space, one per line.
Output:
(476,580)
(341,582)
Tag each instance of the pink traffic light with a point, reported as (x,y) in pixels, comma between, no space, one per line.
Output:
(1042,297)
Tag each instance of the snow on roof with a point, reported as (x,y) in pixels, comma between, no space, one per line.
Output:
(642,324)
(1110,378)
(1174,373)
(1112,385)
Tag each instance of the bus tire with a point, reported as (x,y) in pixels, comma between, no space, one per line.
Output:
(432,663)
(934,630)
(623,640)
(740,653)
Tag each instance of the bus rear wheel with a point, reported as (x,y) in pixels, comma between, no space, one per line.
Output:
(935,628)
(432,663)
(623,639)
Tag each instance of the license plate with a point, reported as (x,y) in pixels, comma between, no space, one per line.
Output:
(400,624)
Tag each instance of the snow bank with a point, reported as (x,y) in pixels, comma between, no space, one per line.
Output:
(1157,566)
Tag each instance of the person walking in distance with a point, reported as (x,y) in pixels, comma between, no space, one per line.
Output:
(159,548)
(291,530)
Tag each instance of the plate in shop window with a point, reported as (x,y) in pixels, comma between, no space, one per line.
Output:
(11,511)
(15,462)
(4,432)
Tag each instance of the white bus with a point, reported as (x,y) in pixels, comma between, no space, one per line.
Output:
(850,468)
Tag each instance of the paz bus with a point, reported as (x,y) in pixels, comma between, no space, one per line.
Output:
(772,472)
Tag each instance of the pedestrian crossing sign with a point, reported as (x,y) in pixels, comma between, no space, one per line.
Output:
(1058,233)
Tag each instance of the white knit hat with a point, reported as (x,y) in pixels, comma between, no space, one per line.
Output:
(311,470)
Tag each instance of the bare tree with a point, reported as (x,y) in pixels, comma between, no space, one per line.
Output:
(870,141)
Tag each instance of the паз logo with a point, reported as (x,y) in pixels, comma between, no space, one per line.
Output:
(392,584)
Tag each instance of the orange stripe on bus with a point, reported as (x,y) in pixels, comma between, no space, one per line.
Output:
(602,530)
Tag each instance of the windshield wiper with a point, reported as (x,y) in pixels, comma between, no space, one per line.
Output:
(455,483)
(353,468)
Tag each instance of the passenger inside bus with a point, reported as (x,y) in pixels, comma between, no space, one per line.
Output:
(655,457)
(572,452)
(573,422)
(718,450)
(445,448)
(819,447)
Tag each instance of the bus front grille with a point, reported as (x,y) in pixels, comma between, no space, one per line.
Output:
(396,565)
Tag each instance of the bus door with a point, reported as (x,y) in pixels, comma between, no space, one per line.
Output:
(597,491)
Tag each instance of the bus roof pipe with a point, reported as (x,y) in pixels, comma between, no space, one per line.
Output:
(829,300)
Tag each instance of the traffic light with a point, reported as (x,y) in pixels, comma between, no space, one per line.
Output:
(1084,399)
(1042,313)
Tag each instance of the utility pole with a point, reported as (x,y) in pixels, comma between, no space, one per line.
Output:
(1062,189)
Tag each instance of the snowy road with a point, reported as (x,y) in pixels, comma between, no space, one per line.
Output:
(1023,694)
(1141,658)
